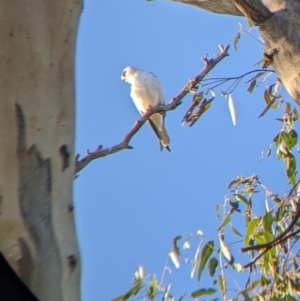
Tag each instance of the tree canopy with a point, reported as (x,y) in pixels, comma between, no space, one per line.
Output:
(270,271)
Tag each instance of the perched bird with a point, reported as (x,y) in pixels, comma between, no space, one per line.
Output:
(146,90)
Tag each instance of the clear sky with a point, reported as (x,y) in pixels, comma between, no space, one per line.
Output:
(130,205)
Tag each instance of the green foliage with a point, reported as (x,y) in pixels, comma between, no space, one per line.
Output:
(203,292)
(268,266)
(205,254)
(286,142)
(212,265)
(236,39)
(137,286)
(273,271)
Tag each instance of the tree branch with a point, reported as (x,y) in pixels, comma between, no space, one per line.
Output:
(278,21)
(282,236)
(124,144)
(216,6)
(270,247)
(253,10)
(228,7)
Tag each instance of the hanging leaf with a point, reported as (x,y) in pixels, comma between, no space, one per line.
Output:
(174,257)
(279,214)
(152,291)
(277,140)
(241,198)
(232,109)
(203,292)
(225,222)
(291,165)
(225,251)
(196,261)
(236,39)
(222,284)
(252,86)
(269,105)
(276,199)
(267,221)
(138,285)
(251,230)
(294,137)
(267,96)
(295,114)
(205,254)
(175,246)
(236,232)
(212,265)
(287,140)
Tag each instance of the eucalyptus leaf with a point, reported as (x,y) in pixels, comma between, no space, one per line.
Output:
(203,292)
(205,254)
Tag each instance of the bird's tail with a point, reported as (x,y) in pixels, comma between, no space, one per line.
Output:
(164,137)
(160,131)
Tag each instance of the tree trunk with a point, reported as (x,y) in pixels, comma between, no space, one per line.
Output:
(37,232)
(278,22)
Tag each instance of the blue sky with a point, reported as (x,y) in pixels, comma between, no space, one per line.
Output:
(129,206)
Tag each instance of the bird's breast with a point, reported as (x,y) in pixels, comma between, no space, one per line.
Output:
(143,98)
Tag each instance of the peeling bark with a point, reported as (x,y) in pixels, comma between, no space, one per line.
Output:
(278,22)
(35,190)
(37,88)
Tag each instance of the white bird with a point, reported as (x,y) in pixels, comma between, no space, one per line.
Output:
(146,90)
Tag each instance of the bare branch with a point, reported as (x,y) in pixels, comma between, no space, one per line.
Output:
(174,102)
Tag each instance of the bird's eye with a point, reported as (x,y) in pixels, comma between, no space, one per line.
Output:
(124,73)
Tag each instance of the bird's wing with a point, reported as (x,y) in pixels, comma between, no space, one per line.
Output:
(154,89)
(147,91)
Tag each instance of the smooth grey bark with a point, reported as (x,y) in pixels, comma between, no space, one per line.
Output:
(37,88)
(279,30)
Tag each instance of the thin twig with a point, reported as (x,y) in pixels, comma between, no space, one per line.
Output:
(100,153)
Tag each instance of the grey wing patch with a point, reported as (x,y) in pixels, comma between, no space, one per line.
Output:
(154,90)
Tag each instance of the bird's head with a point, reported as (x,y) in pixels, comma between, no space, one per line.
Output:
(128,74)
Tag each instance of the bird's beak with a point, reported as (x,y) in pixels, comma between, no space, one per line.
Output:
(123,78)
